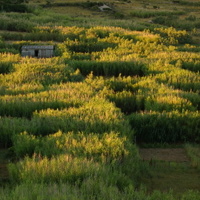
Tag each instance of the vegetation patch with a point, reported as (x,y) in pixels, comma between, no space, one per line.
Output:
(70,123)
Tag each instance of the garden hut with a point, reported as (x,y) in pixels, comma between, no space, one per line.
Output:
(38,51)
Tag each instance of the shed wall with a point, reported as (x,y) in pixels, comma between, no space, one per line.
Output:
(38,53)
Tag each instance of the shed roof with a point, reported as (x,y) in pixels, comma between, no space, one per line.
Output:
(104,7)
(50,47)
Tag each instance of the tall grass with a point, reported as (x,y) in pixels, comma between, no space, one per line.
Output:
(166,127)
(62,116)
(109,68)
(149,95)
(57,97)
(90,189)
(63,168)
(97,116)
(44,71)
(9,127)
(108,147)
(181,79)
(172,36)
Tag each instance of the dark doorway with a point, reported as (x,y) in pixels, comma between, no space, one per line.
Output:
(36,53)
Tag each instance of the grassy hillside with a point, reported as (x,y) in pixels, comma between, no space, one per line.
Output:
(71,125)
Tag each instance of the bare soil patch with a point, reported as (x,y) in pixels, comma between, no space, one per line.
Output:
(3,171)
(168,154)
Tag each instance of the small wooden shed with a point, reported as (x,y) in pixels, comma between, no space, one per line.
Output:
(38,51)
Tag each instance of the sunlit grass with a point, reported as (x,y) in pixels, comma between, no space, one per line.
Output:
(65,119)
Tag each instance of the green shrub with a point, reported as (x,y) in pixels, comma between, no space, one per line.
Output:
(66,169)
(173,36)
(58,97)
(180,79)
(96,116)
(167,103)
(23,89)
(44,71)
(109,68)
(108,147)
(62,168)
(166,127)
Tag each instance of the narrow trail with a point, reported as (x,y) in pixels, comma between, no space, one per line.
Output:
(164,154)
(170,168)
(3,166)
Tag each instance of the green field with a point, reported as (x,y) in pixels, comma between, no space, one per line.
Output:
(73,126)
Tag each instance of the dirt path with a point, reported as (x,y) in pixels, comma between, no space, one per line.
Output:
(3,166)
(169,169)
(169,154)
